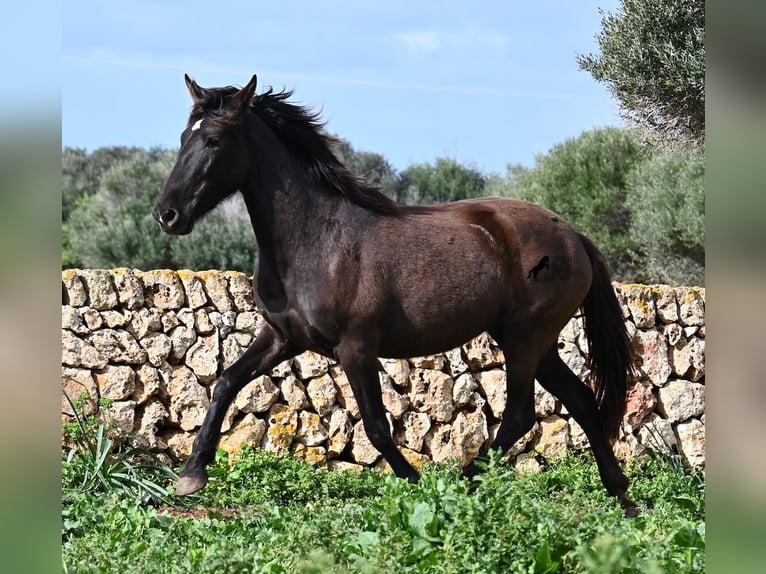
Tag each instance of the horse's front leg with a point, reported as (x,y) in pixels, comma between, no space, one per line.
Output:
(267,350)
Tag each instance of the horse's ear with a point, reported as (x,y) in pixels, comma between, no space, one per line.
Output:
(195,91)
(244,96)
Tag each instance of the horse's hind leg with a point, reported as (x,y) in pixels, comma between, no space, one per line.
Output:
(362,371)
(267,351)
(555,376)
(519,413)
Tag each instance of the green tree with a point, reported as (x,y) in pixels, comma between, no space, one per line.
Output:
(447,180)
(584,180)
(666,197)
(373,167)
(653,61)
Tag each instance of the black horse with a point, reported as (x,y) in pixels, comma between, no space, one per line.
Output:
(346,272)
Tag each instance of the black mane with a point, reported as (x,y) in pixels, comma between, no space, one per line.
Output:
(302,132)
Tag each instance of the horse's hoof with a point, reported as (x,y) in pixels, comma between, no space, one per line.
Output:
(631,511)
(190,484)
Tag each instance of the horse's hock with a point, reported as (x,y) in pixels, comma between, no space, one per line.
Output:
(154,342)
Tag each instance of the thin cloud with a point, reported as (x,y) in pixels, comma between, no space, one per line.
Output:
(336,80)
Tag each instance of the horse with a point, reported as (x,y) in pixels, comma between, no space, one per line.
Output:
(346,272)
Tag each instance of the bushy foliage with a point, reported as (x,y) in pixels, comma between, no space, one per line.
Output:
(653,61)
(666,198)
(113,226)
(584,180)
(446,180)
(294,518)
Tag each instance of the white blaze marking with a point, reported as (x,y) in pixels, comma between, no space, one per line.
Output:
(196,125)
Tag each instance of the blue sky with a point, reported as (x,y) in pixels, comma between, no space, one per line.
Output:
(487,83)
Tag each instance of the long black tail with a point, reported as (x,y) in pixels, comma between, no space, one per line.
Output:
(611,361)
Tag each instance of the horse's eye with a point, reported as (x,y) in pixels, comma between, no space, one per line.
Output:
(212,141)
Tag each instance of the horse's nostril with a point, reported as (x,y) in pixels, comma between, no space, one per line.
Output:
(169,216)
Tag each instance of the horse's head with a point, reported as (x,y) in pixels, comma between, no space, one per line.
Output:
(212,162)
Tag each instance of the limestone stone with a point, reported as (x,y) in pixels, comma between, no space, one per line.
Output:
(577,437)
(74,288)
(119,418)
(492,384)
(283,369)
(526,463)
(652,350)
(101,292)
(344,466)
(157,347)
(163,289)
(188,400)
(691,442)
(248,322)
(314,455)
(687,358)
(311,430)
(249,431)
(627,448)
(322,394)
(169,321)
(71,319)
(362,450)
(92,319)
(179,444)
(545,403)
(469,433)
(463,390)
(528,440)
(416,459)
(415,426)
(657,433)
(149,418)
(116,319)
(78,353)
(181,338)
(573,358)
(293,392)
(673,333)
(394,403)
(639,403)
(202,358)
(186,317)
(309,365)
(667,305)
(217,289)
(553,438)
(346,398)
(691,305)
(431,392)
(281,429)
(680,400)
(257,396)
(398,370)
(118,346)
(340,429)
(194,287)
(241,290)
(436,362)
(641,305)
(438,442)
(147,384)
(202,322)
(78,384)
(116,382)
(144,321)
(129,286)
(482,353)
(233,347)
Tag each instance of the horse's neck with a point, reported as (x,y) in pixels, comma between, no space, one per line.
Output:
(291,217)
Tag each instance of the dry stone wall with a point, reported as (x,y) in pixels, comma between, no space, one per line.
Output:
(154,342)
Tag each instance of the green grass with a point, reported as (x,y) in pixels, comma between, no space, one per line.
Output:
(279,515)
